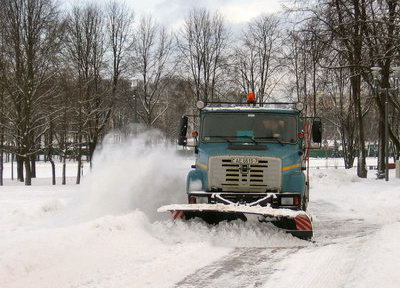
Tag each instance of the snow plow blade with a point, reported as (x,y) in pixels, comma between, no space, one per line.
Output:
(297,223)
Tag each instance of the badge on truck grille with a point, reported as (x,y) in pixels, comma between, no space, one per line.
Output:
(244,160)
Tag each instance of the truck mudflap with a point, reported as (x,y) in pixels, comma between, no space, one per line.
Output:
(296,222)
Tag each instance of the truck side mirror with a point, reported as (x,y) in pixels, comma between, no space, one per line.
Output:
(316,131)
(183,125)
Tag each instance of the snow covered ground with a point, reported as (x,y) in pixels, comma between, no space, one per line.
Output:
(106,233)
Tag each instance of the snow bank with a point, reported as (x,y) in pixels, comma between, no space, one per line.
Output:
(225,234)
(22,207)
(111,251)
(371,200)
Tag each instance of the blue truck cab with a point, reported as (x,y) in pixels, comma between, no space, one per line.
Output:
(245,153)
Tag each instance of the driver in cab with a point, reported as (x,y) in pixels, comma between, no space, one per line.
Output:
(274,128)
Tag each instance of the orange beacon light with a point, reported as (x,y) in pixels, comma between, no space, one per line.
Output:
(251,98)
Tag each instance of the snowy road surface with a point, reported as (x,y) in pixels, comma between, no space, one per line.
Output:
(106,233)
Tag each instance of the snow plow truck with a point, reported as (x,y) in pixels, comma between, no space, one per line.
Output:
(251,159)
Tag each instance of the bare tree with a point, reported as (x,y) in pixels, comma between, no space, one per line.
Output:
(2,105)
(345,21)
(151,62)
(32,40)
(257,56)
(382,41)
(85,49)
(338,110)
(63,132)
(119,28)
(202,43)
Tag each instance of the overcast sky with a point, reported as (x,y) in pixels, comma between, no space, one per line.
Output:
(172,12)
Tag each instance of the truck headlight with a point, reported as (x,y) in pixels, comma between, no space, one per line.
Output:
(287,201)
(294,200)
(202,200)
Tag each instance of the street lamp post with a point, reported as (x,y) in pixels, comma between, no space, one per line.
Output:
(134,87)
(387,135)
(376,70)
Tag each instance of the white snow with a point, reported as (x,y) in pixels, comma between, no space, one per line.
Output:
(356,233)
(378,263)
(257,210)
(107,233)
(43,171)
(94,235)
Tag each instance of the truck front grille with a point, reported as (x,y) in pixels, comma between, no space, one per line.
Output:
(244,173)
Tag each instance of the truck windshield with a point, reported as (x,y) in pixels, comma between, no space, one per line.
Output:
(247,127)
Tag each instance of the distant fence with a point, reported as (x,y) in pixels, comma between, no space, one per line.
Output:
(372,151)
(325,153)
(370,167)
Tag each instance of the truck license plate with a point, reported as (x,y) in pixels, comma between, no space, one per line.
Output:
(244,161)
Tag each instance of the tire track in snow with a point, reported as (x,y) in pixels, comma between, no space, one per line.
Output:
(244,267)
(252,267)
(333,231)
(331,262)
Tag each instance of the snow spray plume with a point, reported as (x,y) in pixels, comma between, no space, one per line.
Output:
(142,173)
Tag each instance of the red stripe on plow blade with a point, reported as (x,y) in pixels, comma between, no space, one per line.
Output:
(302,226)
(177,214)
(303,223)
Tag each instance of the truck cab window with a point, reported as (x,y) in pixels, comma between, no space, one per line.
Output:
(264,127)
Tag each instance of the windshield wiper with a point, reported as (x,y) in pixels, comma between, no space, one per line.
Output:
(222,137)
(230,142)
(249,137)
(271,138)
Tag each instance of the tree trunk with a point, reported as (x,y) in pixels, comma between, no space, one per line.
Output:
(53,166)
(28,172)
(78,174)
(1,141)
(64,170)
(1,165)
(1,157)
(356,91)
(33,166)
(12,166)
(20,168)
(79,158)
(344,143)
(53,171)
